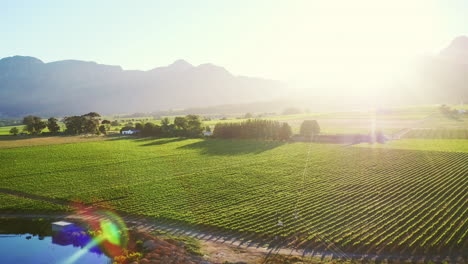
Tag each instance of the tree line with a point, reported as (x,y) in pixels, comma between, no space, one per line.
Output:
(34,125)
(450,113)
(255,129)
(89,123)
(182,126)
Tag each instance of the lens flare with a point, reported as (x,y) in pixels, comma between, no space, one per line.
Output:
(107,231)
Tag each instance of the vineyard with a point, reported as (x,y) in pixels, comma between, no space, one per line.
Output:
(10,203)
(438,133)
(314,196)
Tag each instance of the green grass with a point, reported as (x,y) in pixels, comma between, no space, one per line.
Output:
(361,199)
(6,130)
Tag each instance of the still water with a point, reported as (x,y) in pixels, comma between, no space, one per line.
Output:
(33,242)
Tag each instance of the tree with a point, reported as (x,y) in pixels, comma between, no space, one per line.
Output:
(14,131)
(148,129)
(139,126)
(33,124)
(180,123)
(156,131)
(105,122)
(74,124)
(88,123)
(91,126)
(309,129)
(115,123)
(285,132)
(194,126)
(166,127)
(52,125)
(92,115)
(248,115)
(102,129)
(208,129)
(165,122)
(91,123)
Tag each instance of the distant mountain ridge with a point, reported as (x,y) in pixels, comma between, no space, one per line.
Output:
(445,76)
(60,88)
(457,50)
(28,85)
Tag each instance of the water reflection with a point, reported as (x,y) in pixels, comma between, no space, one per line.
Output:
(75,236)
(31,241)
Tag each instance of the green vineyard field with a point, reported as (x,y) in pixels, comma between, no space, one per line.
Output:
(440,133)
(316,196)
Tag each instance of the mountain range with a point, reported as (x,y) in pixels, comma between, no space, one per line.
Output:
(445,77)
(30,86)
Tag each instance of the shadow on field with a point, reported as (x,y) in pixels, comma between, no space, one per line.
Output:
(162,141)
(114,137)
(232,147)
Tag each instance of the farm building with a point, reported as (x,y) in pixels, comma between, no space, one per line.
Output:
(130,132)
(207,133)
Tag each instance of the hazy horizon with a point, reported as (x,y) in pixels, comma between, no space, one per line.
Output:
(303,42)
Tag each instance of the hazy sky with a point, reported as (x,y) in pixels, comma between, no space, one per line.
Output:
(306,42)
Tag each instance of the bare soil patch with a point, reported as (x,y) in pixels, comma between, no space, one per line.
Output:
(28,141)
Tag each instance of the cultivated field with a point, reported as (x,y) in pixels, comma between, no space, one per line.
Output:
(385,200)
(438,133)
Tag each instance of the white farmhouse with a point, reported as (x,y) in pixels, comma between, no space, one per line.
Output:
(130,132)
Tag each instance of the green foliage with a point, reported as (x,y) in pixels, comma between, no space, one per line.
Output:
(102,129)
(85,124)
(74,124)
(194,126)
(139,126)
(188,126)
(14,131)
(52,125)
(253,128)
(33,124)
(148,129)
(180,123)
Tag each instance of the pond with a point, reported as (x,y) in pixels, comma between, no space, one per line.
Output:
(32,241)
